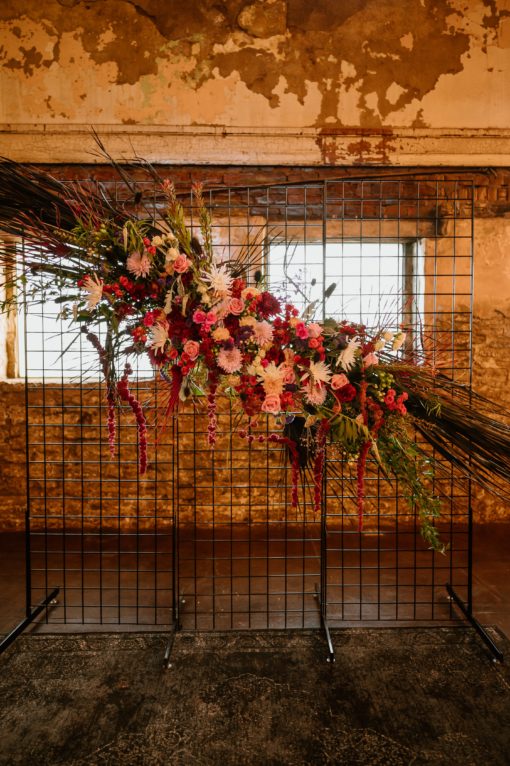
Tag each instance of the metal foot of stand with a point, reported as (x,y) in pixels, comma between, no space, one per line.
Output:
(324,625)
(497,654)
(50,600)
(176,627)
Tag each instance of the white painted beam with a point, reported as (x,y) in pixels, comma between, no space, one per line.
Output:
(257,146)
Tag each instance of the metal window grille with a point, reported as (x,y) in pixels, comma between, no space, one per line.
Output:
(208,540)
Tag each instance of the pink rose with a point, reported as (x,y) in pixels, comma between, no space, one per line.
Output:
(370,359)
(314,330)
(210,319)
(301,331)
(191,348)
(339,381)
(199,316)
(289,376)
(181,264)
(271,404)
(236,306)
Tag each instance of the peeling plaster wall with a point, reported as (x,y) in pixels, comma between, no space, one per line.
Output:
(323,64)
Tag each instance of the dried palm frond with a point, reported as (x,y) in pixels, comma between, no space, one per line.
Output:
(464,427)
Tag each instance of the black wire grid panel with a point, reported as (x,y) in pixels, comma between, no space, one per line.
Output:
(209,539)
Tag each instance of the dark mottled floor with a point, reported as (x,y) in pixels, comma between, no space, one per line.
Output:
(394,696)
(491,578)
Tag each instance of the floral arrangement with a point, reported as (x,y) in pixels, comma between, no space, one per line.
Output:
(210,326)
(207,330)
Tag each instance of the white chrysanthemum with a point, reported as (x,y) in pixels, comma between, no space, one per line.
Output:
(347,358)
(315,394)
(219,280)
(320,372)
(93,286)
(159,334)
(272,379)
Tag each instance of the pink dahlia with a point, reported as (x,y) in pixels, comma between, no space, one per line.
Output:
(262,333)
(230,360)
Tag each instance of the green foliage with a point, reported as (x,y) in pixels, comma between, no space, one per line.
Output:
(205,222)
(414,472)
(349,432)
(177,220)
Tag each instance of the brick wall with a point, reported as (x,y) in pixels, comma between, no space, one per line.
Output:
(74,483)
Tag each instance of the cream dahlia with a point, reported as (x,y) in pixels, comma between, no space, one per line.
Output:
(348,356)
(93,286)
(159,334)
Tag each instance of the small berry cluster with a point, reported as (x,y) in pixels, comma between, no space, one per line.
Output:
(126,396)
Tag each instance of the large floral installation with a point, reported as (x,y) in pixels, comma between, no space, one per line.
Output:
(150,287)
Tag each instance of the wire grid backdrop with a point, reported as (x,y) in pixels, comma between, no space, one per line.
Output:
(209,539)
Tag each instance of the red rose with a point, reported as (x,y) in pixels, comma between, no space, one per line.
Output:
(346,393)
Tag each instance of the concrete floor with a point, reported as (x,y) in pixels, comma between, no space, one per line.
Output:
(491,580)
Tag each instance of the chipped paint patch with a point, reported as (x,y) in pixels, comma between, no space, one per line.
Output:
(364,151)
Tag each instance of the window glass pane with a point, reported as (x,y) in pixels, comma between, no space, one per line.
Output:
(364,280)
(52,344)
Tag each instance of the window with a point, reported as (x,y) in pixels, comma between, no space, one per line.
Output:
(362,281)
(358,281)
(51,345)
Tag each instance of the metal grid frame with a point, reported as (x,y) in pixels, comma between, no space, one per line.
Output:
(148,561)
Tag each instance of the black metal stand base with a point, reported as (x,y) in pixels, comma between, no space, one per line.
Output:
(168,651)
(324,625)
(8,640)
(176,627)
(466,611)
